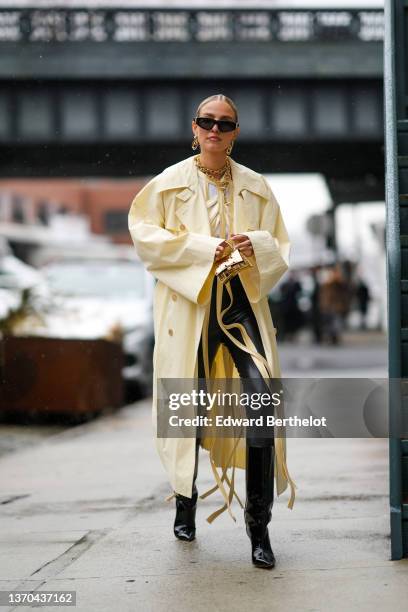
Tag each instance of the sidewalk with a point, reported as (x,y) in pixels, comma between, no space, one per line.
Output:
(84,511)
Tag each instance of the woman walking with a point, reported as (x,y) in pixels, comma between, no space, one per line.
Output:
(185,222)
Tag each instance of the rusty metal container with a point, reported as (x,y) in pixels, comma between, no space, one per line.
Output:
(52,377)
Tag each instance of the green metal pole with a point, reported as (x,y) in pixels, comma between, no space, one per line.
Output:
(393,271)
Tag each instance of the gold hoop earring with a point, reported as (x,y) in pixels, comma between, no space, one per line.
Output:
(195,144)
(229,148)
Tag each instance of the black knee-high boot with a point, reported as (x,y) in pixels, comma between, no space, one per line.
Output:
(184,524)
(259,502)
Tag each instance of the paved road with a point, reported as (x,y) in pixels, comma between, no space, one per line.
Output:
(359,355)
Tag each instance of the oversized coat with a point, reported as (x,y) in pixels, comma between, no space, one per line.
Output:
(169,226)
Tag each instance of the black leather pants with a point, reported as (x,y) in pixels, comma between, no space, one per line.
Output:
(253,381)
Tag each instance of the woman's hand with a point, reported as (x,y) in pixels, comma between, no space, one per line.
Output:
(243,244)
(221,251)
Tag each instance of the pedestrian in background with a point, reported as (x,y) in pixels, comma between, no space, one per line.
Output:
(334,303)
(363,298)
(315,313)
(293,318)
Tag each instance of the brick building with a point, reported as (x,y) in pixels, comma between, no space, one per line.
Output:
(104,203)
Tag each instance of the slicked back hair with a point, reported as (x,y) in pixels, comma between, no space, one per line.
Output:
(221,98)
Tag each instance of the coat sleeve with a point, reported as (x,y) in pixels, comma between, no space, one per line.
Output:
(271,251)
(184,261)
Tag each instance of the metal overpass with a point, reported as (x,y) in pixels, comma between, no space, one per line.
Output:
(111,92)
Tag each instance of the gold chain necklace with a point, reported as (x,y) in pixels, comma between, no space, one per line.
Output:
(222,177)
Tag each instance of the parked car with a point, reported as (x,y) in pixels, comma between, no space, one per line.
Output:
(104,292)
(20,284)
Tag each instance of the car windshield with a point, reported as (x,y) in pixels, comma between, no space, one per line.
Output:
(119,280)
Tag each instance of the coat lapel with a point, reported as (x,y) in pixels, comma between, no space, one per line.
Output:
(192,209)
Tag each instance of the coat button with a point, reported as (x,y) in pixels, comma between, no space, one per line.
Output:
(174,297)
(170,332)
(182,227)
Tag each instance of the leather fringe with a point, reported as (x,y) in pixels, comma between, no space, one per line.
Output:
(264,368)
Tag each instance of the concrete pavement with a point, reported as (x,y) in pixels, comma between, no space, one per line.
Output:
(84,510)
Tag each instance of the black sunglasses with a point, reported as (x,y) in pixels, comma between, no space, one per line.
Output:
(207,123)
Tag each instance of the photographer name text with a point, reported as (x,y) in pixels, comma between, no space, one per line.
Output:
(260,421)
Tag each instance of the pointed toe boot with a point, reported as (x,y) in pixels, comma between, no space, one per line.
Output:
(259,502)
(184,523)
(262,553)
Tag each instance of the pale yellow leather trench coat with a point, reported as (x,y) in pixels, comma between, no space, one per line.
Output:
(169,226)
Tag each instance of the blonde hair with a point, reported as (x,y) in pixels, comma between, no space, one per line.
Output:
(219,97)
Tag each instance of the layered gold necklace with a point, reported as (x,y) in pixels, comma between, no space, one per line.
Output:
(222,177)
